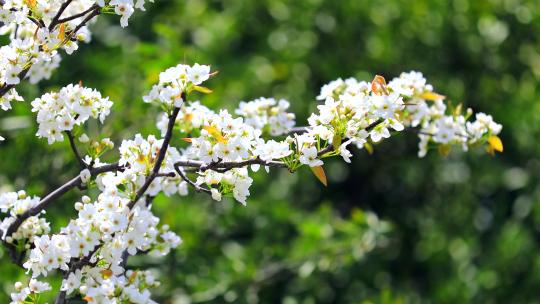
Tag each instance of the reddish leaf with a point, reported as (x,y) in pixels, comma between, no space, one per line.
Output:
(378,85)
(318,171)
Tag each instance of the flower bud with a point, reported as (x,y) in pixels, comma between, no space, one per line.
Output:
(216,195)
(84,138)
(21,194)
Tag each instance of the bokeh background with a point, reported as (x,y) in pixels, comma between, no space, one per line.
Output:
(389,228)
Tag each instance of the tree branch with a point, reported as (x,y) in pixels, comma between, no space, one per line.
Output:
(298,130)
(217,166)
(54,21)
(330,147)
(46,201)
(160,158)
(79,15)
(189,181)
(94,11)
(74,149)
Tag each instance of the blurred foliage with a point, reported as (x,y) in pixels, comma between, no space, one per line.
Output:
(455,230)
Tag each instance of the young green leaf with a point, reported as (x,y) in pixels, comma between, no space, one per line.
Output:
(369,148)
(444,150)
(202,89)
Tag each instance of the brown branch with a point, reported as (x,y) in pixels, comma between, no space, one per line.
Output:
(35,21)
(225,166)
(168,174)
(330,147)
(189,181)
(74,149)
(55,21)
(96,10)
(298,130)
(79,15)
(160,158)
(47,200)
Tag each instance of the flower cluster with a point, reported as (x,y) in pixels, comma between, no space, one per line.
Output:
(138,156)
(99,287)
(34,288)
(353,112)
(176,82)
(350,107)
(104,230)
(34,45)
(124,8)
(235,181)
(191,117)
(5,101)
(15,204)
(38,30)
(268,113)
(440,125)
(72,105)
(223,138)
(407,101)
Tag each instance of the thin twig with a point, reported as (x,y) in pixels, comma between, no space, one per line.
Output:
(432,135)
(189,181)
(96,10)
(330,147)
(47,200)
(298,130)
(168,174)
(74,149)
(79,15)
(55,21)
(217,166)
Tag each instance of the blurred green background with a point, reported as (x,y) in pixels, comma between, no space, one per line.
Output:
(390,228)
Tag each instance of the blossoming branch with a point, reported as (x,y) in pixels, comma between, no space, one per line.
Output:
(211,152)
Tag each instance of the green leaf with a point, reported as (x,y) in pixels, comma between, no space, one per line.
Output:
(444,150)
(202,89)
(369,148)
